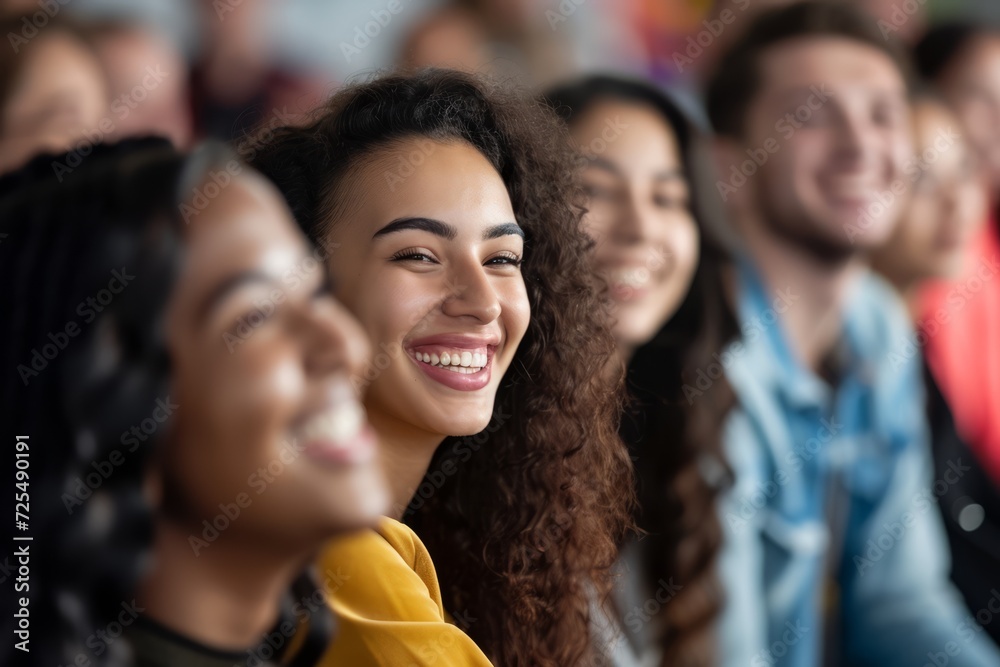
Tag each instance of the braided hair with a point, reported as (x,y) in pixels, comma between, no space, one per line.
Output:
(89,258)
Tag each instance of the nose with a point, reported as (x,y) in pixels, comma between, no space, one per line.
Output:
(854,145)
(632,225)
(335,341)
(469,292)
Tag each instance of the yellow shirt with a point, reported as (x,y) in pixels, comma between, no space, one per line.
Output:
(385,593)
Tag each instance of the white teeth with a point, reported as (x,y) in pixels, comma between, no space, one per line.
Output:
(459,361)
(341,424)
(630,277)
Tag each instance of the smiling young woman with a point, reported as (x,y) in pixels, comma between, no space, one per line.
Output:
(446,205)
(133,548)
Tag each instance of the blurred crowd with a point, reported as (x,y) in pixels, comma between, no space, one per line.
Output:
(792,216)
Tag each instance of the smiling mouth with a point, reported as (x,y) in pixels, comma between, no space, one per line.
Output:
(464,362)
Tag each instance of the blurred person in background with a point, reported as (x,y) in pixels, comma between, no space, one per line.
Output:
(179,481)
(963,61)
(148,80)
(832,549)
(53,92)
(664,272)
(449,208)
(516,38)
(960,313)
(931,242)
(236,85)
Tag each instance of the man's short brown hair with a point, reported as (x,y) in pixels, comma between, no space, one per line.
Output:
(737,78)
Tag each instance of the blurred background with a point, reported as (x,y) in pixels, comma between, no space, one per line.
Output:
(218,67)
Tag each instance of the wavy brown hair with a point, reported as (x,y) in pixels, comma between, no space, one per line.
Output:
(673,425)
(524,534)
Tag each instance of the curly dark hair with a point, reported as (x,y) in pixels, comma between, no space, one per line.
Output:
(80,373)
(676,436)
(524,534)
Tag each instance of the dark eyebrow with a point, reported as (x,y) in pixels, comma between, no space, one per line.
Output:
(665,175)
(607,165)
(435,227)
(227,287)
(505,229)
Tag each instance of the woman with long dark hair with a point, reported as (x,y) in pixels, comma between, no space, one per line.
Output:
(663,268)
(447,207)
(178,381)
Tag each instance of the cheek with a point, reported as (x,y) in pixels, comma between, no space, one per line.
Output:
(263,390)
(684,242)
(516,309)
(393,305)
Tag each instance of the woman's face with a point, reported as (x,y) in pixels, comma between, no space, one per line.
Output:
(948,204)
(971,85)
(425,251)
(59,96)
(266,420)
(638,214)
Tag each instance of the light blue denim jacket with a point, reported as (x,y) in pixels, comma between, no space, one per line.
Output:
(835,480)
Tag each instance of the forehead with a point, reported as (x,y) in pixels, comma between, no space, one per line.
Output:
(448,181)
(245,225)
(839,63)
(619,128)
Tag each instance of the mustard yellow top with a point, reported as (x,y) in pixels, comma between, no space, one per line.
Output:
(382,585)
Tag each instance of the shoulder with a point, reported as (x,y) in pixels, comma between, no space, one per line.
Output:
(878,314)
(385,567)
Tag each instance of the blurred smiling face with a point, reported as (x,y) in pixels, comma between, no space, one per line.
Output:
(638,214)
(949,202)
(59,95)
(273,416)
(839,113)
(430,265)
(972,86)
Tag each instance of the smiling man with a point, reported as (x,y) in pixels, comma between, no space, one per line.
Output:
(832,552)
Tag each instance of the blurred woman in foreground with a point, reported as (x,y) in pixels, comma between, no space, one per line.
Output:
(183,395)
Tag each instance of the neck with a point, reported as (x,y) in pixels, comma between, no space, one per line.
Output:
(908,290)
(814,291)
(227,596)
(406,454)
